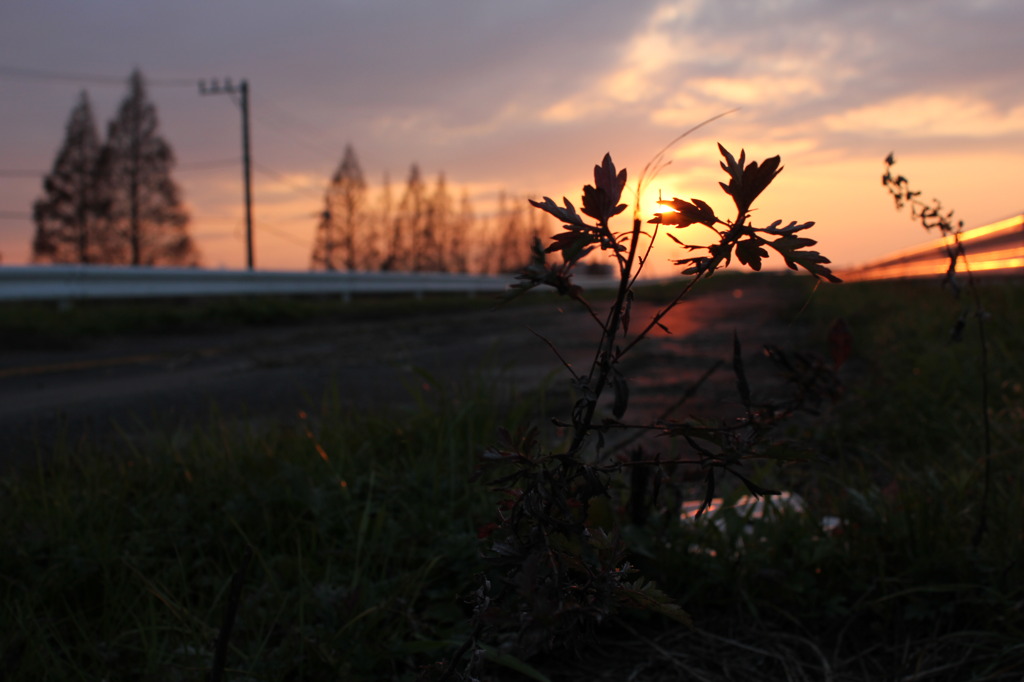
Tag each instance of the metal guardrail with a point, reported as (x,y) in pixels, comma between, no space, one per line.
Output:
(996,249)
(89,282)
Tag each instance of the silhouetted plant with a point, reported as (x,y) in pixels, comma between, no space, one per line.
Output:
(558,565)
(934,216)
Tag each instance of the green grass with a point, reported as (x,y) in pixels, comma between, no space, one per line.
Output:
(898,588)
(362,530)
(117,565)
(42,324)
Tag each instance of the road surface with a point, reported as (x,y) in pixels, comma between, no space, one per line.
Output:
(124,387)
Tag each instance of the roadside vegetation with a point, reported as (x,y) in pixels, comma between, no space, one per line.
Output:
(350,537)
(49,325)
(26,324)
(363,536)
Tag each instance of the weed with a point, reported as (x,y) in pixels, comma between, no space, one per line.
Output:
(559,565)
(933,216)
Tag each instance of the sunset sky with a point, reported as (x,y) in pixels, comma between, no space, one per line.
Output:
(527,96)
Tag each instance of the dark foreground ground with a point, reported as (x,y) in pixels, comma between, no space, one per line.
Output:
(363,548)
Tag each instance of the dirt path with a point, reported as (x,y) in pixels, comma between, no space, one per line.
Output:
(170,382)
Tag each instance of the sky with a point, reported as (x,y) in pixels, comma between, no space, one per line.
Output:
(526,97)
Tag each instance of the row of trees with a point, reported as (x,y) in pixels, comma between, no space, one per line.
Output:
(427,230)
(114,201)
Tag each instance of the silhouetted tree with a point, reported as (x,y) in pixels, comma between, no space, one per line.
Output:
(435,242)
(426,231)
(511,234)
(144,205)
(462,227)
(342,238)
(406,229)
(384,219)
(69,217)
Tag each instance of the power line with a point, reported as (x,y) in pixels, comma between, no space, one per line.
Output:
(200,165)
(284,235)
(79,78)
(194,165)
(236,234)
(307,136)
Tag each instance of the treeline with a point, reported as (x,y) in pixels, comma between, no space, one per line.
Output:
(427,229)
(113,201)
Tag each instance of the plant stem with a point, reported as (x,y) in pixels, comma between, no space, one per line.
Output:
(603,360)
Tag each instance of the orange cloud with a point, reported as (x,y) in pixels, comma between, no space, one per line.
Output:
(930,115)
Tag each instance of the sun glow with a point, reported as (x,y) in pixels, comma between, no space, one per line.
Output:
(649,205)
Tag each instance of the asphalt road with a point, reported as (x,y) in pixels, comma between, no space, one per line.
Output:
(128,386)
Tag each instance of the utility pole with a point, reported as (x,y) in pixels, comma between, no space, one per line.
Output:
(215,87)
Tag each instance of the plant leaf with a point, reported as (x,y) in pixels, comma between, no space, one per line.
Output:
(749,252)
(790,247)
(746,183)
(605,178)
(754,489)
(646,595)
(573,245)
(685,213)
(566,214)
(601,200)
(792,228)
(709,491)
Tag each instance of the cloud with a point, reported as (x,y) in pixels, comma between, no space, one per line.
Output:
(275,186)
(641,69)
(759,88)
(935,115)
(690,60)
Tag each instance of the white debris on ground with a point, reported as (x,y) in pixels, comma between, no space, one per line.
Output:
(753,509)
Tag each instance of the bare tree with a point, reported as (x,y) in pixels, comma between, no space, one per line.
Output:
(435,248)
(462,227)
(384,225)
(341,234)
(405,239)
(69,217)
(511,237)
(144,205)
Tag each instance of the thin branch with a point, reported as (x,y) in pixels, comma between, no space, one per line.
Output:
(658,316)
(555,350)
